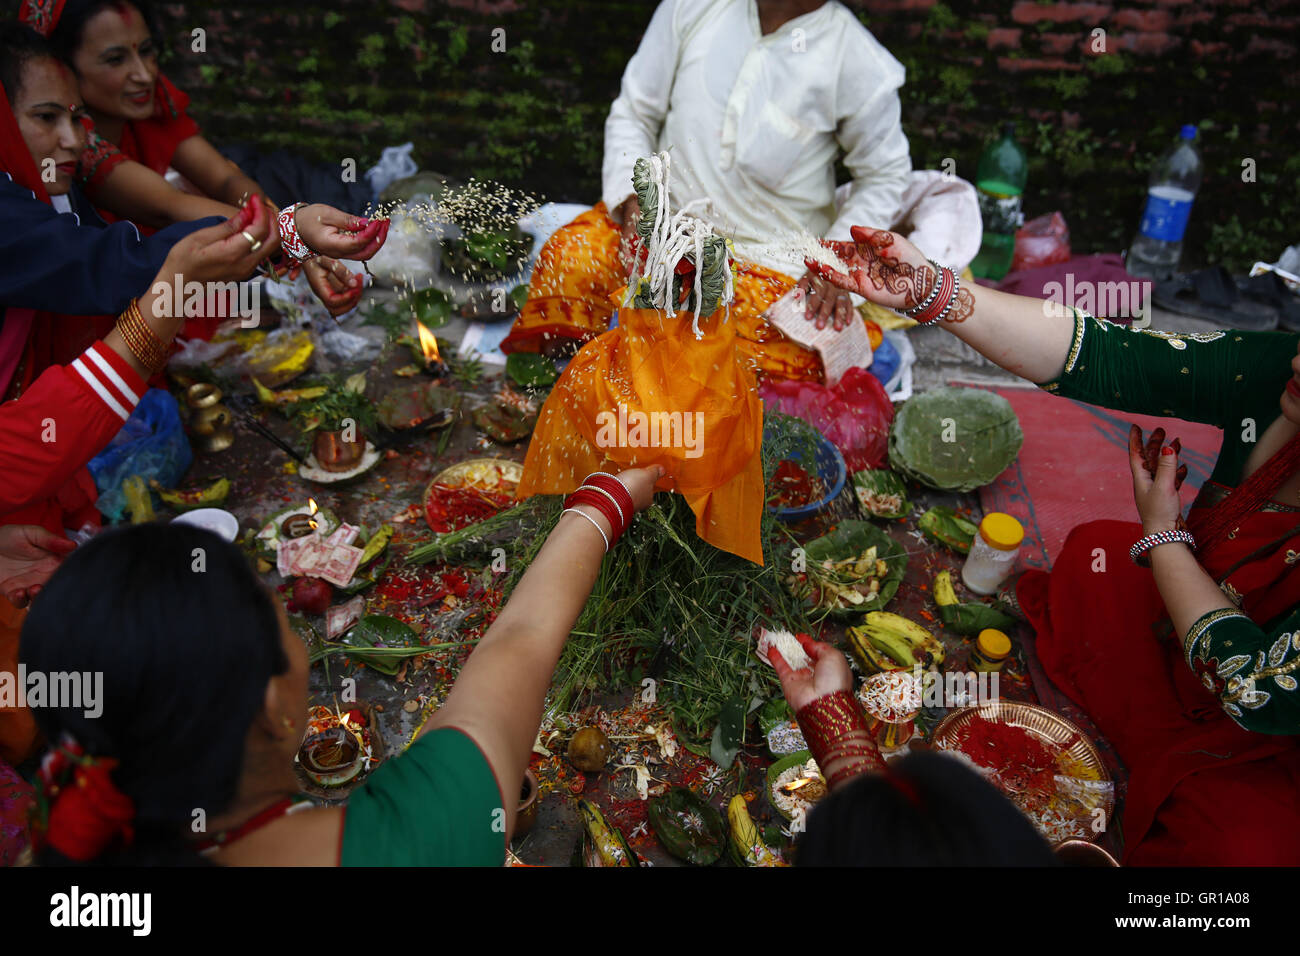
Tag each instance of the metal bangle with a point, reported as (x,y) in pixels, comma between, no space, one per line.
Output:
(934,292)
(1144,544)
(594,524)
(621,517)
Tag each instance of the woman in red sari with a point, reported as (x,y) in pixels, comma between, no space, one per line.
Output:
(1189,667)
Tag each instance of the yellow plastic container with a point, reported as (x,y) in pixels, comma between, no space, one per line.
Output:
(991,650)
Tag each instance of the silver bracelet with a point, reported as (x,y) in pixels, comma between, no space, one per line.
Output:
(594,524)
(934,291)
(1144,544)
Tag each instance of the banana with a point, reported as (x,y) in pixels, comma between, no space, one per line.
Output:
(869,656)
(969,618)
(747,846)
(604,845)
(944,593)
(924,646)
(378,541)
(287,396)
(207,497)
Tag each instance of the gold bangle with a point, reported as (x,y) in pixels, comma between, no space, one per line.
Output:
(140,339)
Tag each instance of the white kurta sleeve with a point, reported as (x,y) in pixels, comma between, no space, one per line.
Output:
(637,116)
(878,158)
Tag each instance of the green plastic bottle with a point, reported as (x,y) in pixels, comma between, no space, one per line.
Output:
(1000,181)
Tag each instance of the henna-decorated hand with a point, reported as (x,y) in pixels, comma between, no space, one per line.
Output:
(1157,476)
(880,266)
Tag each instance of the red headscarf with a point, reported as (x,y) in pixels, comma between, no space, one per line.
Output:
(16,160)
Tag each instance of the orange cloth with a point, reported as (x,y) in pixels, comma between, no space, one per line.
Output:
(612,408)
(578,274)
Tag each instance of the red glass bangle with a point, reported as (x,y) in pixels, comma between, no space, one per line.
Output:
(947,285)
(616,488)
(601,504)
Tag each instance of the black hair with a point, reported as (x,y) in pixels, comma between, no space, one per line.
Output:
(71,28)
(19,44)
(186,638)
(929,809)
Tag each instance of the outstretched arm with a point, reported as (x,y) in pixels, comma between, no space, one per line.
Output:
(135,192)
(497,699)
(1013,331)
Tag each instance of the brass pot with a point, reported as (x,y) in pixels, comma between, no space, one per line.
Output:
(209,419)
(335,454)
(1083,853)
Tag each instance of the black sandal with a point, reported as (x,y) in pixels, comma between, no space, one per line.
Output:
(1212,294)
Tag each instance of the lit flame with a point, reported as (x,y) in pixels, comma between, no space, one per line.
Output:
(797,784)
(428,343)
(311,502)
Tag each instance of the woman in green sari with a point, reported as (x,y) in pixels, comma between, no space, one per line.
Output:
(1188,666)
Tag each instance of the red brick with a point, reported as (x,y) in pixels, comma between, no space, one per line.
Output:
(1029,12)
(1175,3)
(1148,21)
(1193,18)
(1147,44)
(1004,38)
(1265,21)
(1070,120)
(1279,48)
(1008,65)
(1209,49)
(1057,43)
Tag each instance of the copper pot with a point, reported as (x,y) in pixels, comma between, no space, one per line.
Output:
(526,815)
(334,454)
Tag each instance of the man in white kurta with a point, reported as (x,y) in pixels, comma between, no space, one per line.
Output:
(754,122)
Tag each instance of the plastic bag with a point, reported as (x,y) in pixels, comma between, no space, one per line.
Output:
(152,444)
(854,414)
(407,256)
(394,163)
(1042,242)
(649,393)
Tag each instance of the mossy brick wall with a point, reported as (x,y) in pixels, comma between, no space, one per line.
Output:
(347,77)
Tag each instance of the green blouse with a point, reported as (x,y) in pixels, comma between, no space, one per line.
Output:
(437,804)
(1233,380)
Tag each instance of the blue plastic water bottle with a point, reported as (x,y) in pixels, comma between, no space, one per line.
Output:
(1175,178)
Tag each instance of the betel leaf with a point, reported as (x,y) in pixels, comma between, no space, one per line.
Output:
(688,827)
(531,369)
(944,526)
(954,439)
(728,734)
(519,296)
(377,631)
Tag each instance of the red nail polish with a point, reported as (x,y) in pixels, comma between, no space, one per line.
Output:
(1166,451)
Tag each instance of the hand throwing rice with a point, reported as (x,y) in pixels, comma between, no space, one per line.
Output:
(788,645)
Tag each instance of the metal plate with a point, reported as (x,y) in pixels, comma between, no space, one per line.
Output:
(1048,727)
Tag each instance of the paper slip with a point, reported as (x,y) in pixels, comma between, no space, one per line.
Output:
(840,351)
(340,617)
(286,556)
(345,534)
(311,557)
(339,566)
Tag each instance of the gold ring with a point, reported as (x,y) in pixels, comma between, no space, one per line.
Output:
(253,244)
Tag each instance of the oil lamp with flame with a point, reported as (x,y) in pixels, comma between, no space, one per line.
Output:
(434,366)
(299,525)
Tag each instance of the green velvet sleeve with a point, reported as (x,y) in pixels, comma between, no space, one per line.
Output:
(437,804)
(1221,378)
(1254,673)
